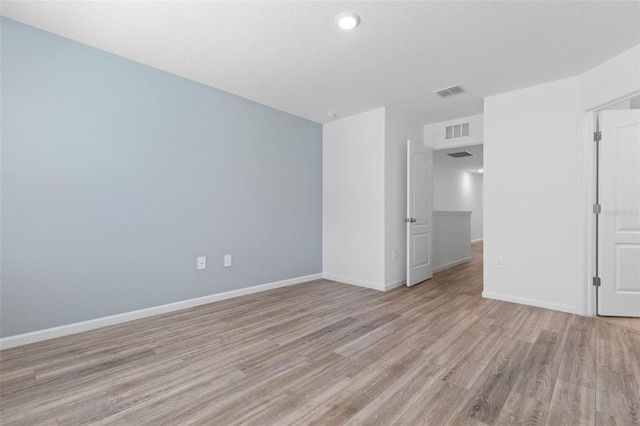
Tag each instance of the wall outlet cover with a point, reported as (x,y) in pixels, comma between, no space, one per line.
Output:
(201,262)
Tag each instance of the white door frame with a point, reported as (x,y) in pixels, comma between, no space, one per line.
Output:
(586,239)
(587,220)
(620,132)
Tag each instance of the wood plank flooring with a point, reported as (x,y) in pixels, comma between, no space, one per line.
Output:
(324,353)
(628,323)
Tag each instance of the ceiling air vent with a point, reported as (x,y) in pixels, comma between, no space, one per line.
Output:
(449,91)
(460,154)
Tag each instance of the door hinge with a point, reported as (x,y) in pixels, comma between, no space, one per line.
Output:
(596,281)
(597,136)
(597,209)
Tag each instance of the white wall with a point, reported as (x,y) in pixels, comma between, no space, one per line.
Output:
(604,84)
(353,203)
(531,188)
(434,134)
(456,190)
(611,80)
(397,131)
(451,236)
(365,198)
(538,158)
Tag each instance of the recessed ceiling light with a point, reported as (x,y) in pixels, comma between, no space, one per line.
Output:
(481,171)
(331,114)
(347,20)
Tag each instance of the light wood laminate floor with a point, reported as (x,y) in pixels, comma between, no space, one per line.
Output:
(331,354)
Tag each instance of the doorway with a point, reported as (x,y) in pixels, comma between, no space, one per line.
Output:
(457,203)
(617,210)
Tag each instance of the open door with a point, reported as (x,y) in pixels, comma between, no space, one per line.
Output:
(419,211)
(619,217)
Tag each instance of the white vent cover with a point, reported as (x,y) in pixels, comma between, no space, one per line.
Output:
(449,91)
(456,131)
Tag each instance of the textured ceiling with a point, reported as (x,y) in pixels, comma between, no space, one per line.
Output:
(292,56)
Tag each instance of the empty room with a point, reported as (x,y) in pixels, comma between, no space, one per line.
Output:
(320,212)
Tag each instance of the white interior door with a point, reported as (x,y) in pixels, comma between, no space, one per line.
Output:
(619,220)
(419,211)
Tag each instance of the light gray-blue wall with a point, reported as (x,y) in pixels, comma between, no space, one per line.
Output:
(116,176)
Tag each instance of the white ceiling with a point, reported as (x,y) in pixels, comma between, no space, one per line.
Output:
(468,164)
(291,55)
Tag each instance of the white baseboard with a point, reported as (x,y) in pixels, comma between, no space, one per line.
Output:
(451,264)
(391,286)
(65,330)
(360,283)
(531,302)
(477,240)
(353,281)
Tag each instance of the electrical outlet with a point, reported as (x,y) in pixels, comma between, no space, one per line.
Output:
(395,254)
(500,262)
(201,262)
(227,260)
